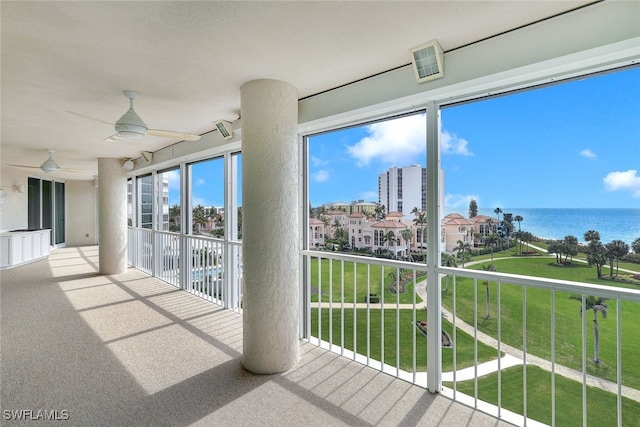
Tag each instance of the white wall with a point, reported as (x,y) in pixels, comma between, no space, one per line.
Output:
(80,223)
(13,212)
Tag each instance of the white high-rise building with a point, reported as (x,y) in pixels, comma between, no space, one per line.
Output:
(402,189)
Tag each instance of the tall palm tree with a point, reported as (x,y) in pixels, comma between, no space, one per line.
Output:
(461,249)
(519,219)
(497,211)
(597,304)
(420,221)
(491,240)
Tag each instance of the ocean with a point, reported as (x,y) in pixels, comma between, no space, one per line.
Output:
(552,223)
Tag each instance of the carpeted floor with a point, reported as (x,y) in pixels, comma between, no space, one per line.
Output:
(130,350)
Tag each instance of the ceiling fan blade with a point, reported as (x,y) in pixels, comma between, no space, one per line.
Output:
(173,135)
(89,118)
(40,169)
(23,166)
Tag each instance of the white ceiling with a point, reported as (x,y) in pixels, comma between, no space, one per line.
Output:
(188,61)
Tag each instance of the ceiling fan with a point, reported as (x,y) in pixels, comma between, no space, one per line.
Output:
(130,125)
(49,166)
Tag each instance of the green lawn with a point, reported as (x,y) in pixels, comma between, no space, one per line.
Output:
(567,318)
(329,280)
(601,406)
(407,337)
(568,344)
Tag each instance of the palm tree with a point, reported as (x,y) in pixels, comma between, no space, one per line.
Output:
(487,300)
(497,211)
(380,212)
(636,245)
(491,240)
(199,219)
(420,221)
(617,249)
(447,260)
(461,249)
(389,237)
(570,247)
(597,304)
(406,235)
(597,256)
(519,219)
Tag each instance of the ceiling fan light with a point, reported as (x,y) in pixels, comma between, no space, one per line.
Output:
(50,166)
(130,125)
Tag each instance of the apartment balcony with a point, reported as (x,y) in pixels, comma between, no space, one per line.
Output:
(130,349)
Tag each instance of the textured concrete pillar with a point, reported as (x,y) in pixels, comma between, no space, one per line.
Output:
(270,234)
(112,213)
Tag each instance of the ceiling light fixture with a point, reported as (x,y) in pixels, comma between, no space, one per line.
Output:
(225,129)
(146,156)
(50,165)
(128,165)
(428,61)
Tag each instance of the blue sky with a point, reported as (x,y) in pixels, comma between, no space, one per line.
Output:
(575,144)
(569,145)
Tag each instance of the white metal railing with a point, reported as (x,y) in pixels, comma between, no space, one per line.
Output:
(381,331)
(204,266)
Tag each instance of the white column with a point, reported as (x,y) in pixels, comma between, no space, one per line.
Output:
(269,111)
(112,212)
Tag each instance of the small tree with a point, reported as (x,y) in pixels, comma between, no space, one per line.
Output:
(617,249)
(487,312)
(473,208)
(597,256)
(597,304)
(461,249)
(447,260)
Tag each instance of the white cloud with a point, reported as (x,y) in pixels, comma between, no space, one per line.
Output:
(395,142)
(458,201)
(451,144)
(588,153)
(623,181)
(320,176)
(200,181)
(174,179)
(318,162)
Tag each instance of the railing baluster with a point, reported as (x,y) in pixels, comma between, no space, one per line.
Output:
(584,361)
(455,336)
(499,321)
(524,354)
(553,358)
(355,313)
(619,359)
(382,289)
(330,304)
(342,309)
(475,343)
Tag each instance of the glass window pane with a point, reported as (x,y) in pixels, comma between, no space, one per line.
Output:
(207,197)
